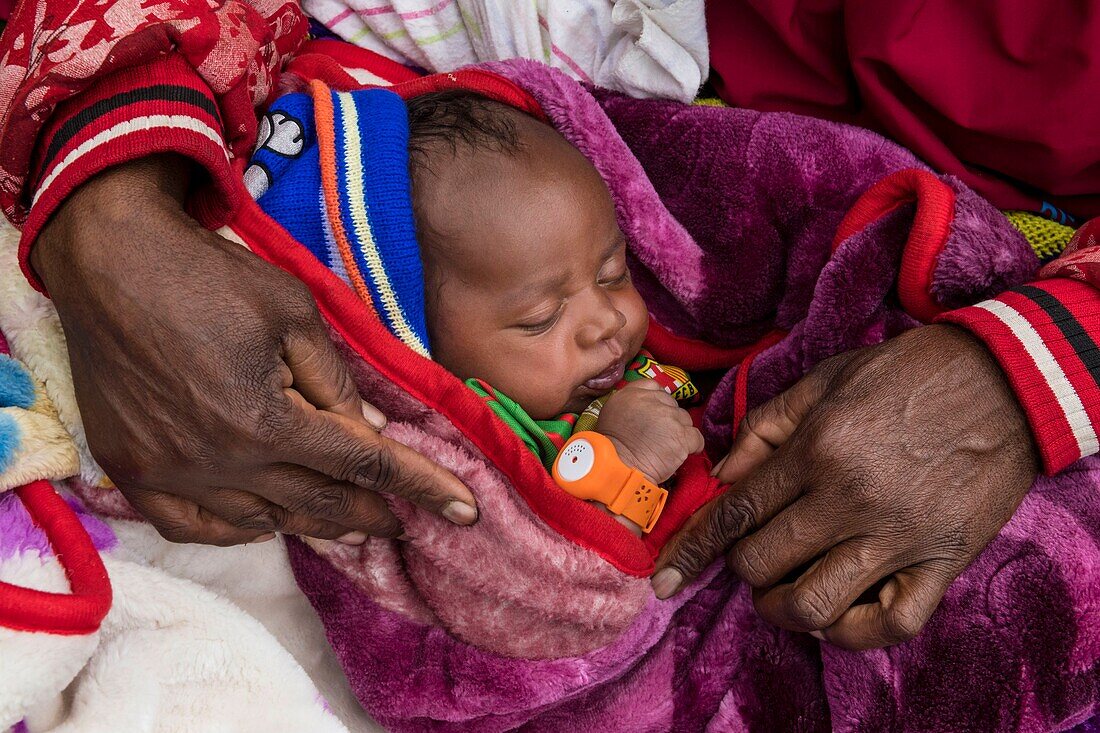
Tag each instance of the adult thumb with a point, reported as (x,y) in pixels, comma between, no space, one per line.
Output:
(771,424)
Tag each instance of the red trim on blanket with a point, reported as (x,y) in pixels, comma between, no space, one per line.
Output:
(741,380)
(315,66)
(350,56)
(78,612)
(931,227)
(485,83)
(692,354)
(332,62)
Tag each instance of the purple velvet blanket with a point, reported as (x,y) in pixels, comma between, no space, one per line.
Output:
(732,236)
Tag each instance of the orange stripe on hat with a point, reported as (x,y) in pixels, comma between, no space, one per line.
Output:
(324,114)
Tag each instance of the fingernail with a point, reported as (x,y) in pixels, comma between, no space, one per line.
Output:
(352,538)
(717,467)
(374,416)
(667,582)
(818,635)
(404,537)
(263,538)
(460,513)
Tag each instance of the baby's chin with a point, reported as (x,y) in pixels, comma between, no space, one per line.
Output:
(578,402)
(549,409)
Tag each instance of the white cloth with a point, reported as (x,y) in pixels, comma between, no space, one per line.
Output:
(645,48)
(197,638)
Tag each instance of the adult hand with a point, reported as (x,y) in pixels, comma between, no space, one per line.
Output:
(887,469)
(209,389)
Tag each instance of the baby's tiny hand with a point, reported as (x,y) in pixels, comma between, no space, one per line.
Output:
(649,430)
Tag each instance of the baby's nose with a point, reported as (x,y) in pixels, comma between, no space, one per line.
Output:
(605,324)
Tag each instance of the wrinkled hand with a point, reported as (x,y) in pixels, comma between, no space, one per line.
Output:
(887,469)
(649,430)
(209,389)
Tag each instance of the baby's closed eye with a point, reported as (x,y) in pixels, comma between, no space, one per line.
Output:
(542,323)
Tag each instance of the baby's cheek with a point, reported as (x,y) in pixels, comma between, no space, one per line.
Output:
(636,313)
(545,386)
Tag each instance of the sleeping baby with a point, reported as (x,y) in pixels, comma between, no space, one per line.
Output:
(506,266)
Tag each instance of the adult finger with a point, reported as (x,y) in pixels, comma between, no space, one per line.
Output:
(349,451)
(825,591)
(770,425)
(905,603)
(322,377)
(248,511)
(712,530)
(803,531)
(180,520)
(314,504)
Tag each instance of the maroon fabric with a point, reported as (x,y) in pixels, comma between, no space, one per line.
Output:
(1004,94)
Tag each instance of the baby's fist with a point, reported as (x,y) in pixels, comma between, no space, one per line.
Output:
(649,430)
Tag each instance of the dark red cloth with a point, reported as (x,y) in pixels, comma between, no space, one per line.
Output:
(1003,93)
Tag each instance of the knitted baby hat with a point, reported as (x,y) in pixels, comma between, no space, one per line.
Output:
(333,169)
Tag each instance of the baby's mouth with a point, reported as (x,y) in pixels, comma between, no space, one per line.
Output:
(608,378)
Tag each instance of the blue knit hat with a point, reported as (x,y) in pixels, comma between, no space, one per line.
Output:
(333,169)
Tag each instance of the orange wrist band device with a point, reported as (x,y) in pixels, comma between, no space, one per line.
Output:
(588,467)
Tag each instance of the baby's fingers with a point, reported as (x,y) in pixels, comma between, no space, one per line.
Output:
(649,389)
(695,441)
(684,418)
(643,385)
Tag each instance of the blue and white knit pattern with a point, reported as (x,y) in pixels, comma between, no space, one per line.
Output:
(333,169)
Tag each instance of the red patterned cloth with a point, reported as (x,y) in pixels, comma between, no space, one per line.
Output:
(123,79)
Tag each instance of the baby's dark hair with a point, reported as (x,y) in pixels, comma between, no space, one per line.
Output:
(442,122)
(457,117)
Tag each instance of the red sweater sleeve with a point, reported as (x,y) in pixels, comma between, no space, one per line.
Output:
(85,85)
(1045,336)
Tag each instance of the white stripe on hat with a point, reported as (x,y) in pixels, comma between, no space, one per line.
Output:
(348,119)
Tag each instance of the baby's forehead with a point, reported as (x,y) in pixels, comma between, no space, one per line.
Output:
(509,211)
(543,175)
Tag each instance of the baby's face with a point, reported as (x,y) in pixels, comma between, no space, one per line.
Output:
(527,285)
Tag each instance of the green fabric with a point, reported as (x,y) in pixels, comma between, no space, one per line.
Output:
(533,433)
(1047,238)
(545,438)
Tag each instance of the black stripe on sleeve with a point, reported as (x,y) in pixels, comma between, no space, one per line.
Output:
(156,92)
(1070,327)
